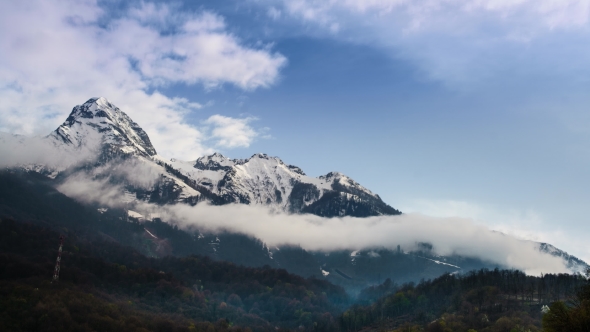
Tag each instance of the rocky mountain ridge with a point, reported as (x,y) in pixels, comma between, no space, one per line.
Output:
(261,179)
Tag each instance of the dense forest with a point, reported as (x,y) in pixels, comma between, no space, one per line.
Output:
(484,300)
(103,285)
(113,280)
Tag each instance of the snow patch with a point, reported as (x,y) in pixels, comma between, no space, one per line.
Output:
(150,233)
(134,214)
(439,262)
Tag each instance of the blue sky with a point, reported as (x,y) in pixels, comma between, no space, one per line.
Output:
(477,109)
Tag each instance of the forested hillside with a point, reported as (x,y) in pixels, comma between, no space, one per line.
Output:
(112,279)
(498,300)
(106,286)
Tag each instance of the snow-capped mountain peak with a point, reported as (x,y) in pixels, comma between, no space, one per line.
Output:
(213,162)
(103,130)
(99,122)
(267,180)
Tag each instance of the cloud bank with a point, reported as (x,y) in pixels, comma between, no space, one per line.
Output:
(57,53)
(448,236)
(522,223)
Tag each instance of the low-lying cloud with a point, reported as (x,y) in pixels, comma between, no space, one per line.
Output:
(34,152)
(448,236)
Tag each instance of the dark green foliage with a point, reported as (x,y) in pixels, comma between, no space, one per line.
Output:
(37,305)
(497,300)
(373,293)
(573,316)
(169,293)
(18,191)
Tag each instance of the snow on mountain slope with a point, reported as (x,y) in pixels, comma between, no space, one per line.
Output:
(266,180)
(101,130)
(97,122)
(103,136)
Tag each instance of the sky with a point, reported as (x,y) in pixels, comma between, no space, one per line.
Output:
(451,108)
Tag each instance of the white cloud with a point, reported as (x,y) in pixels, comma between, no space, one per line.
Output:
(523,224)
(448,236)
(461,43)
(40,153)
(551,13)
(55,54)
(274,13)
(231,132)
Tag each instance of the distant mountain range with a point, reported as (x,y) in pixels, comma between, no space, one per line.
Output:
(103,136)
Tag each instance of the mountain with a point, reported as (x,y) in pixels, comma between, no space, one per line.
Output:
(266,180)
(100,127)
(114,150)
(97,122)
(573,263)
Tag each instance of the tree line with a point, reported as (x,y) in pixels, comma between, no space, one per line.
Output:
(111,279)
(484,300)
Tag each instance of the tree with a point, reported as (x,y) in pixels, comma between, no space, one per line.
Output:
(572,317)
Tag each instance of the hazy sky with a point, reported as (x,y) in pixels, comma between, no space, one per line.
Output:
(476,109)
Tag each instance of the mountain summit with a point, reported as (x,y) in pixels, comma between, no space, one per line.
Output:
(98,122)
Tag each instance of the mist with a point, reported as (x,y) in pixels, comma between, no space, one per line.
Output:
(448,236)
(105,184)
(17,150)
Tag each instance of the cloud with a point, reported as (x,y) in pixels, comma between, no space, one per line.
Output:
(41,154)
(105,184)
(522,224)
(461,43)
(85,189)
(56,54)
(550,13)
(231,132)
(449,236)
